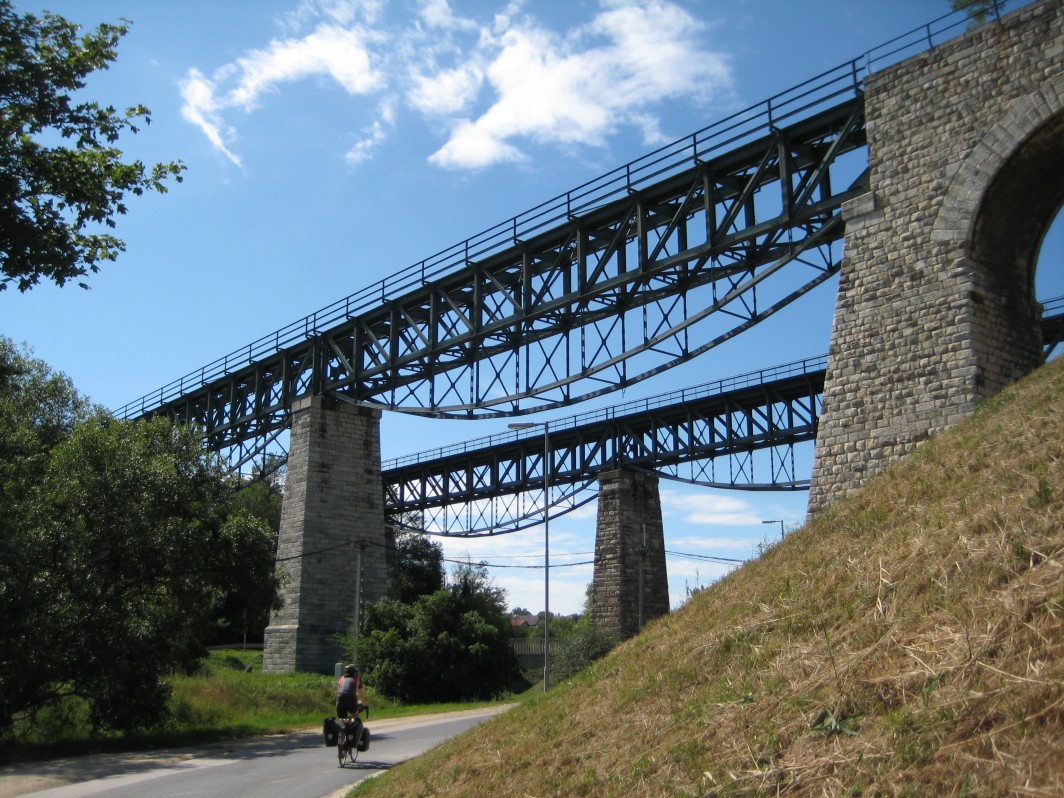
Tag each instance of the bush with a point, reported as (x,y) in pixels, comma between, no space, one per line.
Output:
(579,648)
(451,645)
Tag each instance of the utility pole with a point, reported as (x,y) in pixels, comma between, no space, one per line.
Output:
(360,544)
(776,521)
(520,425)
(642,569)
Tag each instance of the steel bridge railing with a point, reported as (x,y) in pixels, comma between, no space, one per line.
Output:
(493,485)
(805,98)
(673,398)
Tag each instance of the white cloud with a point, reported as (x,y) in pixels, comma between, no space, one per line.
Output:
(329,51)
(581,87)
(340,12)
(448,91)
(493,87)
(698,544)
(709,508)
(522,580)
(375,135)
(437,14)
(202,110)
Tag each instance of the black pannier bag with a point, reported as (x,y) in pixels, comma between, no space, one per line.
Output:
(363,744)
(331,732)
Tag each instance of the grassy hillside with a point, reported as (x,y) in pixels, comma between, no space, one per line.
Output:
(906,642)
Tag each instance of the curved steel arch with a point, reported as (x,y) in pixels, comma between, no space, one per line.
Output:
(486,479)
(606,299)
(588,292)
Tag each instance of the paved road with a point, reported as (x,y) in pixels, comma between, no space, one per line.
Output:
(283,766)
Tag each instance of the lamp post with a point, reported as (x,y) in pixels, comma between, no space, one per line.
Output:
(775,521)
(546,542)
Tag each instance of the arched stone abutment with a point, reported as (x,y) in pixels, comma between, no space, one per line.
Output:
(998,207)
(631,582)
(332,521)
(936,308)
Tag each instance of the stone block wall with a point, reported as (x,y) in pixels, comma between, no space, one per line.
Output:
(936,306)
(629,552)
(333,499)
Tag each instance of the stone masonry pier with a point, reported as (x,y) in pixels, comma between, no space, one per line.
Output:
(936,307)
(631,583)
(332,501)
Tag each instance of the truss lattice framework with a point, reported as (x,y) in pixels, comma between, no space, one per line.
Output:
(602,301)
(774,415)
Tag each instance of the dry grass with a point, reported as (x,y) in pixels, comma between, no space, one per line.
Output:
(906,642)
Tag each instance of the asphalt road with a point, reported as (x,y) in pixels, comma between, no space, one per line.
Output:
(283,766)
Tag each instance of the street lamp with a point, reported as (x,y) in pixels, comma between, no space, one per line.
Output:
(780,522)
(546,541)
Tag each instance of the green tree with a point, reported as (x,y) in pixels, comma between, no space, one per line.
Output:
(259,499)
(117,548)
(418,567)
(62,176)
(462,632)
(247,588)
(979,11)
(577,643)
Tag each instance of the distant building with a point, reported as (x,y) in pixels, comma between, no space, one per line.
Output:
(524,621)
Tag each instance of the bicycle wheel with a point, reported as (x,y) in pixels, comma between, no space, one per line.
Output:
(341,748)
(352,749)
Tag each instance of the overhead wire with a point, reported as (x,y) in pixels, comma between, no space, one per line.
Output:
(467,561)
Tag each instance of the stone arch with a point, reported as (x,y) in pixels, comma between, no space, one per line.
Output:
(999,205)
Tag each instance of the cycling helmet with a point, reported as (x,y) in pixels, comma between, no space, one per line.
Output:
(351,670)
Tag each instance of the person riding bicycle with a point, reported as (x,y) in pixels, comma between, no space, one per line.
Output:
(352,735)
(349,694)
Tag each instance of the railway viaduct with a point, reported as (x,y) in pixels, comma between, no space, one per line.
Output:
(935,311)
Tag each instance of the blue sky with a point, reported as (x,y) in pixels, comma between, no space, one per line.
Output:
(330,143)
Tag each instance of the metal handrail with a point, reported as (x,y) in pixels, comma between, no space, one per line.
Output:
(675,397)
(819,92)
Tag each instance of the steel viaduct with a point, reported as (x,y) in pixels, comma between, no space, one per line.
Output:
(930,158)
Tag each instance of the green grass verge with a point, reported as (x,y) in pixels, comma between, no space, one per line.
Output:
(229,698)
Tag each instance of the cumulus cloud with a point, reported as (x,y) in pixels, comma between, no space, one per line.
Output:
(582,86)
(710,509)
(448,91)
(374,135)
(494,87)
(330,51)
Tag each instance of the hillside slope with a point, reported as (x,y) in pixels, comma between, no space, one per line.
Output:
(906,642)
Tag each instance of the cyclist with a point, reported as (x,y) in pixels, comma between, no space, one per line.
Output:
(350,700)
(349,694)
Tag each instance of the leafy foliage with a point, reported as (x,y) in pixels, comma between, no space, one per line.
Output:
(577,647)
(978,11)
(418,567)
(116,551)
(450,645)
(52,196)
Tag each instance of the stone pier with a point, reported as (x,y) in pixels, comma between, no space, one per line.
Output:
(331,519)
(936,308)
(631,583)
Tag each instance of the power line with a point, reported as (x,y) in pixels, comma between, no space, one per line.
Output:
(467,561)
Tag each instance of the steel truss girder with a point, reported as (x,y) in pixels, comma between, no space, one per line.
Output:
(732,424)
(605,300)
(556,319)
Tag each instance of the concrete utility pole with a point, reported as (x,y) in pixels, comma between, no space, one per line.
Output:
(546,541)
(360,544)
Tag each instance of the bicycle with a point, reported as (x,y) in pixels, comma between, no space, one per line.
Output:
(349,735)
